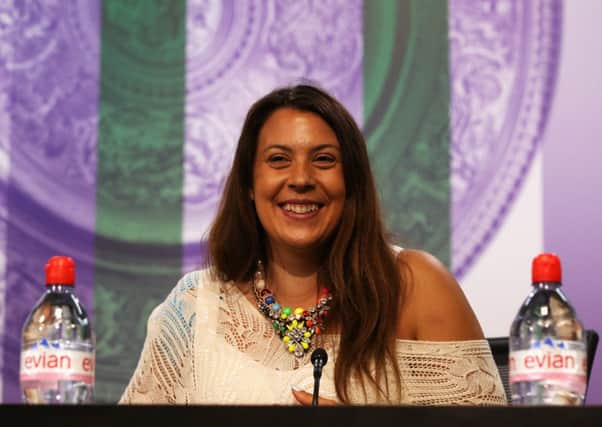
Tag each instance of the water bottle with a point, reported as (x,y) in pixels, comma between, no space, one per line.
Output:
(548,357)
(57,345)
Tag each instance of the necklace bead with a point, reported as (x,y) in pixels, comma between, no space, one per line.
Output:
(297,328)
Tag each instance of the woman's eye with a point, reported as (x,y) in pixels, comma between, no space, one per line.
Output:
(277,159)
(325,159)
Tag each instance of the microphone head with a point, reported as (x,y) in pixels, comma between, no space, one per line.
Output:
(319,357)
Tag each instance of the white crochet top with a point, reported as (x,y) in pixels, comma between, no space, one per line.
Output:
(207,344)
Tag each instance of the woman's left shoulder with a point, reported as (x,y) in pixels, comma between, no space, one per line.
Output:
(435,307)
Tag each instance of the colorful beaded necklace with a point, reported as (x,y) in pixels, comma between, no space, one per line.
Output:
(297,328)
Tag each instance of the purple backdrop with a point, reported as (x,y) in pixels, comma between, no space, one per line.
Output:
(572,153)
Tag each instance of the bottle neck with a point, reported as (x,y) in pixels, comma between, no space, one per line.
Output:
(59,288)
(547,285)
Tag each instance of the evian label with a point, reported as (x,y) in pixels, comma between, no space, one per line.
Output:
(551,360)
(48,363)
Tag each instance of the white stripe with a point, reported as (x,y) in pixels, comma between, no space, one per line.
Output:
(499,281)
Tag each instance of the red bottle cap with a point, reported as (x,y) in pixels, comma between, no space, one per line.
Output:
(60,270)
(546,268)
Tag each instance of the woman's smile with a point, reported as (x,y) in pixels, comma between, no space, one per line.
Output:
(300,209)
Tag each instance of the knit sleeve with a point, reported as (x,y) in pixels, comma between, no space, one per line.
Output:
(160,374)
(449,373)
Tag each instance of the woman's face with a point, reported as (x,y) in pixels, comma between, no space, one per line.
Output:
(298,183)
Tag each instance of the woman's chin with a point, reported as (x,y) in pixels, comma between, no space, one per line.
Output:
(299,244)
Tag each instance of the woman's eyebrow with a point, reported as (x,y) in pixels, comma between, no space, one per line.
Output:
(277,147)
(288,149)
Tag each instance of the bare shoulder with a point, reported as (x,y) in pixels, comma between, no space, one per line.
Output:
(434,307)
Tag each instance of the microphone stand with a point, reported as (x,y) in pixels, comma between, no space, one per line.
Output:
(317,376)
(318,358)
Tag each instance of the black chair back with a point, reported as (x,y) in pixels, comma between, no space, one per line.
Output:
(500,350)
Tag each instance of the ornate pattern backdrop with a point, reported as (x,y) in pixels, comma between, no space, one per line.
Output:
(504,60)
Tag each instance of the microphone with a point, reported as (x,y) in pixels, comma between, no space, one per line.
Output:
(318,359)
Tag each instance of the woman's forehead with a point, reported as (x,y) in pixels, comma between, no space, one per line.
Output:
(287,126)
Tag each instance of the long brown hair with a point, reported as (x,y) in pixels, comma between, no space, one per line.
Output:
(361,266)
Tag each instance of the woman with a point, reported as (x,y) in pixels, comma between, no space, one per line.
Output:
(298,259)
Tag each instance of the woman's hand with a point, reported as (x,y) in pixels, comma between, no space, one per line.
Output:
(304,398)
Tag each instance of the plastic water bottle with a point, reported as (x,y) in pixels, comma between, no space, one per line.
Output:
(548,357)
(57,346)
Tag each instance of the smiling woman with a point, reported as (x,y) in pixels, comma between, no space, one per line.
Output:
(299,259)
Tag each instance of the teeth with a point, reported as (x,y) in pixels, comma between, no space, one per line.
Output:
(300,209)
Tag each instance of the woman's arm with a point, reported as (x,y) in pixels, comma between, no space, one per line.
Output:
(446,360)
(163,364)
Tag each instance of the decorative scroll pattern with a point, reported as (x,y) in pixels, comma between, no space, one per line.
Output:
(504,57)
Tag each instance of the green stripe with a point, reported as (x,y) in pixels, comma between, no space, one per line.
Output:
(139,178)
(406,110)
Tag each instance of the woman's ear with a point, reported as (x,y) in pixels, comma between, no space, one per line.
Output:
(251,194)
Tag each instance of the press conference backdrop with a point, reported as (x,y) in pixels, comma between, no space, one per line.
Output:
(118,122)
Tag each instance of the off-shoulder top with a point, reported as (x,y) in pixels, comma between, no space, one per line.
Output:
(207,344)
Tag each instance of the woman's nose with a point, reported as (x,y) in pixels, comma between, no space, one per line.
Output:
(301,176)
